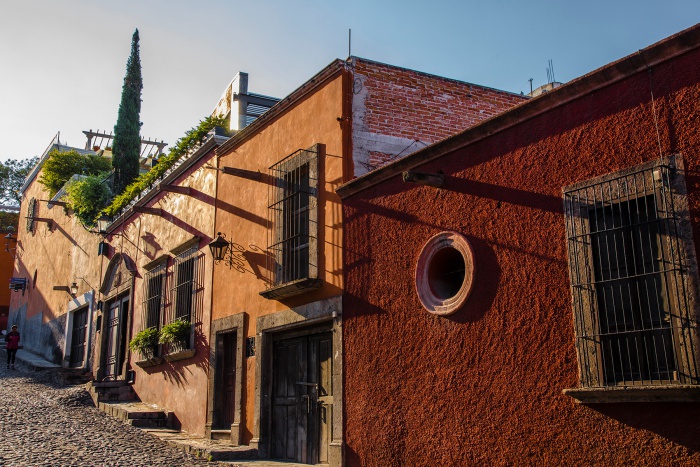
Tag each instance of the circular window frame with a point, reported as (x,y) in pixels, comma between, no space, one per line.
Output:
(432,303)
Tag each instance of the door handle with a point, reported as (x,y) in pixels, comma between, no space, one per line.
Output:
(308,403)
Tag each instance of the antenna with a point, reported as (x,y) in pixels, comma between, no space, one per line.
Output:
(349,42)
(550,72)
(530,80)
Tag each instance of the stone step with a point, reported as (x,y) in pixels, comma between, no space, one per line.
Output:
(221,434)
(149,422)
(148,415)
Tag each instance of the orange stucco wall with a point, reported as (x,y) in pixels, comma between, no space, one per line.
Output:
(242,213)
(7,262)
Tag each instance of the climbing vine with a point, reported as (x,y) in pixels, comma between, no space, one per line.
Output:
(183,146)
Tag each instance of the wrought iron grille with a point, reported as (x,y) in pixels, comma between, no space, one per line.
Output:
(153,297)
(185,294)
(293,218)
(31,214)
(628,264)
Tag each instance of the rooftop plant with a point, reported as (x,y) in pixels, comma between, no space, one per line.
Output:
(60,166)
(87,196)
(183,146)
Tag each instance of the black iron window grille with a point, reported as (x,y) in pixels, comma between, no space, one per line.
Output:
(292,245)
(31,214)
(630,261)
(185,293)
(154,297)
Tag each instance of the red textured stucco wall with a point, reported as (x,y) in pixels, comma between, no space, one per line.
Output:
(484,386)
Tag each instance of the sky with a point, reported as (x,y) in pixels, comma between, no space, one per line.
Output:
(62,62)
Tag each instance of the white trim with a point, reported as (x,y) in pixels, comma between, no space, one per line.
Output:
(73,306)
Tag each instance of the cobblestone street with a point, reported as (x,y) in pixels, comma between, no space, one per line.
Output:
(46,422)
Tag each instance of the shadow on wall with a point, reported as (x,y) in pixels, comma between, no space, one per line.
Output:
(178,372)
(486,281)
(45,340)
(668,420)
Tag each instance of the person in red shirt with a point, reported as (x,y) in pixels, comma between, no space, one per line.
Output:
(12,339)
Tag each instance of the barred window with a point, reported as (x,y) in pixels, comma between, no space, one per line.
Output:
(154,296)
(184,293)
(31,214)
(293,219)
(630,256)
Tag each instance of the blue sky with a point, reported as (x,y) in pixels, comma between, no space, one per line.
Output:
(63,62)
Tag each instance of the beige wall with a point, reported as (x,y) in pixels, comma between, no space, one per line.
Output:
(178,386)
(48,257)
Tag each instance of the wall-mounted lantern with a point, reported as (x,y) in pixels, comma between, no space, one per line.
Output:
(72,290)
(10,242)
(102,223)
(221,249)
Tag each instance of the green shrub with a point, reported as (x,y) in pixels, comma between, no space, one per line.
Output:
(60,166)
(87,197)
(177,331)
(145,341)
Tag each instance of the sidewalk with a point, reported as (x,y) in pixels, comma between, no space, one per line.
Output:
(29,361)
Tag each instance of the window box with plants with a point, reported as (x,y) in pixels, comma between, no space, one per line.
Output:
(176,336)
(145,343)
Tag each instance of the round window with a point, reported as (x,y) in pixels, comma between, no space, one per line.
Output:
(445,273)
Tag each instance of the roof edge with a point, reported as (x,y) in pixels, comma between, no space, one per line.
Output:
(434,76)
(671,47)
(284,104)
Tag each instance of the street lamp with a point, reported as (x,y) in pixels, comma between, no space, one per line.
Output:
(219,247)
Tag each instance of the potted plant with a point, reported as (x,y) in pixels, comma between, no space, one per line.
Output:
(145,342)
(176,335)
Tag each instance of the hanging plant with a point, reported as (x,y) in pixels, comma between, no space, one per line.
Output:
(176,334)
(145,342)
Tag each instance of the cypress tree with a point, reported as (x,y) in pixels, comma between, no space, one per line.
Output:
(127,139)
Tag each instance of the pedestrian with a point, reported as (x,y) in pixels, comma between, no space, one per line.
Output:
(12,339)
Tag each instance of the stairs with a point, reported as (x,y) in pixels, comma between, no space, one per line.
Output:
(111,391)
(118,399)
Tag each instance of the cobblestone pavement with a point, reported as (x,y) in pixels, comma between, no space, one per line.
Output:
(45,422)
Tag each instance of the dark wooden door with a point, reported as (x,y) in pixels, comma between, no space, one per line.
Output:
(225,389)
(78,337)
(115,342)
(302,398)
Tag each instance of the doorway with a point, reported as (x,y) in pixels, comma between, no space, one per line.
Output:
(78,341)
(225,381)
(115,337)
(302,398)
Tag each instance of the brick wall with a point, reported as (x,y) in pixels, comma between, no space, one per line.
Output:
(398,111)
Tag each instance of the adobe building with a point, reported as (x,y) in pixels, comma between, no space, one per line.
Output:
(56,275)
(155,272)
(276,372)
(526,291)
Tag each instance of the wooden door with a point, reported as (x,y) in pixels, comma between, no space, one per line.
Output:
(79,337)
(302,398)
(115,341)
(225,388)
